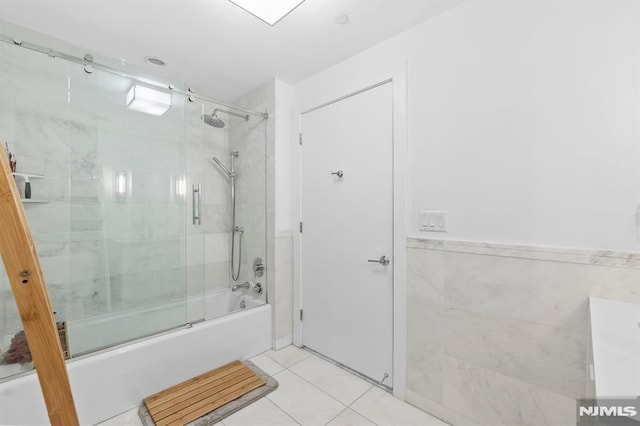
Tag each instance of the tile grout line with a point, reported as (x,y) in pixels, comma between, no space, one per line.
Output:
(284,368)
(295,363)
(337,415)
(282,409)
(273,375)
(306,381)
(270,359)
(358,412)
(347,406)
(323,391)
(309,383)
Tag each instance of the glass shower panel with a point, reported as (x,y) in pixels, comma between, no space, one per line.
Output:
(217,209)
(108,196)
(127,206)
(195,212)
(14,355)
(34,126)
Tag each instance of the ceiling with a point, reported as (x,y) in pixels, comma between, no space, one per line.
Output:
(218,48)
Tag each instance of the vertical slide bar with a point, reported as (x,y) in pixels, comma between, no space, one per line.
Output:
(30,292)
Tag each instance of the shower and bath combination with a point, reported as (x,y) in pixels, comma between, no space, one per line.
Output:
(236,231)
(214,121)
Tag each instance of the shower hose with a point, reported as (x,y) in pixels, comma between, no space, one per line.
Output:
(235,275)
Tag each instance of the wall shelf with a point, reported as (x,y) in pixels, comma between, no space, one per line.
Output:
(33,201)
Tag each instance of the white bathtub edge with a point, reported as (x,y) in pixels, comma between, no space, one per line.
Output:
(117,380)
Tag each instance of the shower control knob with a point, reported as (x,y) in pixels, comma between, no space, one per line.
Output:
(258,267)
(339,173)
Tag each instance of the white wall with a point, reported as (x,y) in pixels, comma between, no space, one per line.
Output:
(522,119)
(282,293)
(283,152)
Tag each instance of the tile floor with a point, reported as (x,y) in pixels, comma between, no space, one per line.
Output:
(313,391)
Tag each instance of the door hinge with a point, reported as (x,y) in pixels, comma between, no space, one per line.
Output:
(301,227)
(300,139)
(301,314)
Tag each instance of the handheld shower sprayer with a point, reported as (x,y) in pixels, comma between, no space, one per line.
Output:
(235,230)
(223,167)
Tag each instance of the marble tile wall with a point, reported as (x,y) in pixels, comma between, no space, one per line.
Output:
(498,333)
(251,139)
(283,300)
(425,281)
(256,142)
(614,275)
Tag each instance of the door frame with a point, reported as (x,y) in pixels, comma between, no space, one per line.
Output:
(398,79)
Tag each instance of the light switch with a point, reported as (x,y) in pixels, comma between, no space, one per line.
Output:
(433,221)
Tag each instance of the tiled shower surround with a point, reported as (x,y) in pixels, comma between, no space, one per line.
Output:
(209,254)
(254,191)
(208,242)
(498,333)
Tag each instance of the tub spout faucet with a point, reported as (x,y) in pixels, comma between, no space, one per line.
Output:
(246,285)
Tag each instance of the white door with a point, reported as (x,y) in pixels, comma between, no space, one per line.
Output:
(347,215)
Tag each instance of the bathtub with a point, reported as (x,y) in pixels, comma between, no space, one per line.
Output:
(115,380)
(104,330)
(226,301)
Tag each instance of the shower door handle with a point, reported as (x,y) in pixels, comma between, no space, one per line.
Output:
(197,189)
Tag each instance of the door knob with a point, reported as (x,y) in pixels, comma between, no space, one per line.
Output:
(383,260)
(339,173)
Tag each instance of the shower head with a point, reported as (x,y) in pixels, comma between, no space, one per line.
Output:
(214,121)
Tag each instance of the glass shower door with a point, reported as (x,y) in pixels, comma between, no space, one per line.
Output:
(107,208)
(127,196)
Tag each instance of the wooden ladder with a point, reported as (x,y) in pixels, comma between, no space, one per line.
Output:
(30,292)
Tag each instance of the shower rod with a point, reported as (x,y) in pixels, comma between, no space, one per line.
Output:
(87,62)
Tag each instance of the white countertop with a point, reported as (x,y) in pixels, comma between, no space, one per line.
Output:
(615,333)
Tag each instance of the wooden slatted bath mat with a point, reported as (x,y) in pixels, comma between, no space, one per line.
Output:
(201,395)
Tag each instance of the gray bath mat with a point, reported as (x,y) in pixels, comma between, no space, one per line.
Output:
(229,408)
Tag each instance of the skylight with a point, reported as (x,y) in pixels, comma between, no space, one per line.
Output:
(270,11)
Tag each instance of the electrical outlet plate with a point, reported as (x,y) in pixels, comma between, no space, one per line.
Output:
(433,221)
